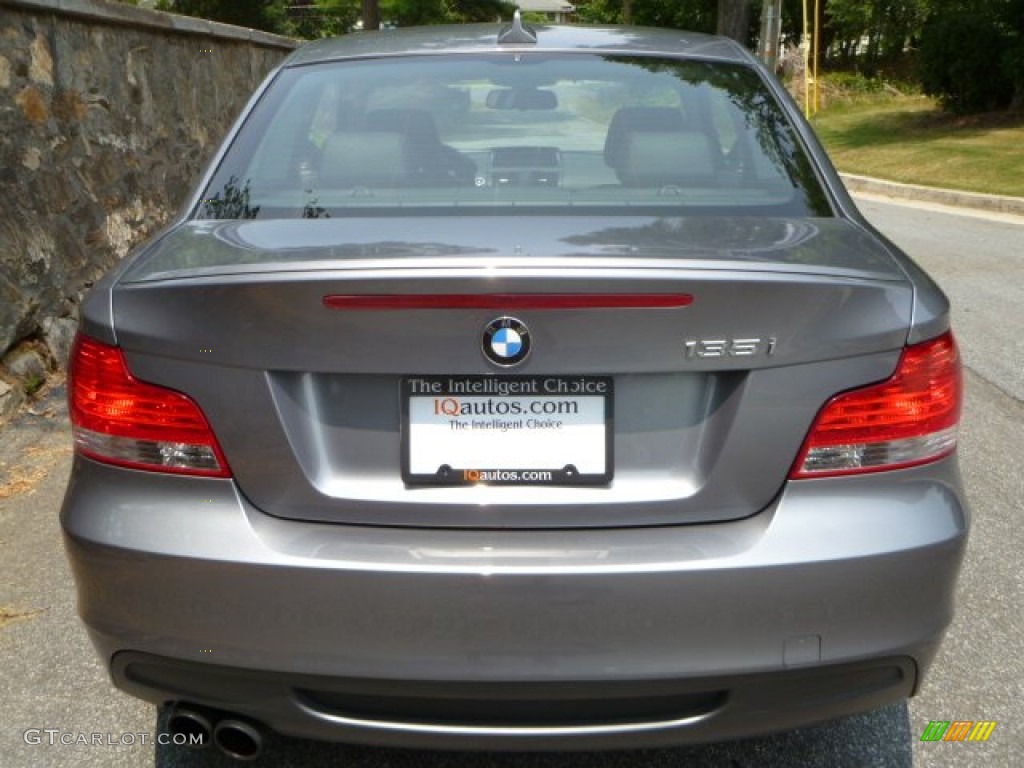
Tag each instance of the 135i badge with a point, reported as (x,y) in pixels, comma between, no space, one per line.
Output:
(702,348)
(506,341)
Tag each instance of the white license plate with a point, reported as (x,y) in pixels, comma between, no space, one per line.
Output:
(507,430)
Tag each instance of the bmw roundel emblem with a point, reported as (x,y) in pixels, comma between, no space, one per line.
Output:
(506,341)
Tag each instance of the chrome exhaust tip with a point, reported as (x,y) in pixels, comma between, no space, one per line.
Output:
(189,727)
(238,739)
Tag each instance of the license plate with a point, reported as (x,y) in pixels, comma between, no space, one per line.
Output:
(507,430)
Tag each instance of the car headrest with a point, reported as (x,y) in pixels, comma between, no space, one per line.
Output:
(660,158)
(417,124)
(366,159)
(630,119)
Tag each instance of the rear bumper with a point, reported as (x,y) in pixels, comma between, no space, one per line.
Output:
(829,602)
(518,715)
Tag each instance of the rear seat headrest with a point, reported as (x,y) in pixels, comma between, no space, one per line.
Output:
(630,119)
(366,159)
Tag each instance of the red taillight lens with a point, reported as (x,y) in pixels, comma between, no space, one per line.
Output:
(909,419)
(118,419)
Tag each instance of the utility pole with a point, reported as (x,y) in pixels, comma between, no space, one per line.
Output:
(771,31)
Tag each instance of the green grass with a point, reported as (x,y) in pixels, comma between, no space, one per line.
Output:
(908,139)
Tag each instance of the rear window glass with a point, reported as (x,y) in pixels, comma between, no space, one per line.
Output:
(514,133)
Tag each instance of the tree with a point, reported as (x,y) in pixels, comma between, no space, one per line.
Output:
(313,19)
(972,54)
(695,16)
(959,51)
(481,10)
(873,32)
(268,15)
(371,14)
(734,20)
(601,12)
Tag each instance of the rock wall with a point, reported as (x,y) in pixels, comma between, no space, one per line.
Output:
(108,114)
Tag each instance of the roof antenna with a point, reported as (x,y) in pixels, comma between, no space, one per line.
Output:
(516,32)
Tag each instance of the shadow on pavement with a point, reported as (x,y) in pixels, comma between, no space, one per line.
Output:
(880,739)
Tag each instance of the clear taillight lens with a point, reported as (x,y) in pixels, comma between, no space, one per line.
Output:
(909,419)
(118,419)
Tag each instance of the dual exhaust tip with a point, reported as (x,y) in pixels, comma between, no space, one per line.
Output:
(198,727)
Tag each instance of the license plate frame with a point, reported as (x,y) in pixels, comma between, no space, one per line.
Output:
(475,454)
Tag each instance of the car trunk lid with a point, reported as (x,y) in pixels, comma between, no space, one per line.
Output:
(708,400)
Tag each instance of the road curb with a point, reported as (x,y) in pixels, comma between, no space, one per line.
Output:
(951,197)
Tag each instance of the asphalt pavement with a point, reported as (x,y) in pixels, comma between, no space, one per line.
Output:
(55,690)
(978,260)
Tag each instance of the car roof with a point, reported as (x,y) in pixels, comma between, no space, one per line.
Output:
(477,38)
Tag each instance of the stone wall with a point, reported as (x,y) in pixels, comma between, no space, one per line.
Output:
(108,114)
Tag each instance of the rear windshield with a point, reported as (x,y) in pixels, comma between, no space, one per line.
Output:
(514,133)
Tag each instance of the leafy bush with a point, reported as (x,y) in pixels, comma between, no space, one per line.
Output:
(961,63)
(1013,64)
(855,82)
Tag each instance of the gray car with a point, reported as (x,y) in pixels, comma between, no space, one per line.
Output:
(522,390)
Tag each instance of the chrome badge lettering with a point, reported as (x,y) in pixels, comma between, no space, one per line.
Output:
(705,348)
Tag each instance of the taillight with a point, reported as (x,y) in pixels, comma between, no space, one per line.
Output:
(907,420)
(117,419)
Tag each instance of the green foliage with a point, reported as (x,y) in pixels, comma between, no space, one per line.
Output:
(323,18)
(1013,66)
(855,82)
(411,13)
(327,18)
(601,12)
(481,10)
(268,15)
(972,51)
(963,61)
(698,16)
(1011,22)
(535,18)
(695,16)
(408,13)
(873,33)
(311,19)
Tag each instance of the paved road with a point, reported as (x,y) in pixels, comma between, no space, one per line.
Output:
(52,680)
(979,674)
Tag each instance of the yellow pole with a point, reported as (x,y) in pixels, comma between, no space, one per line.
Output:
(807,74)
(817,101)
